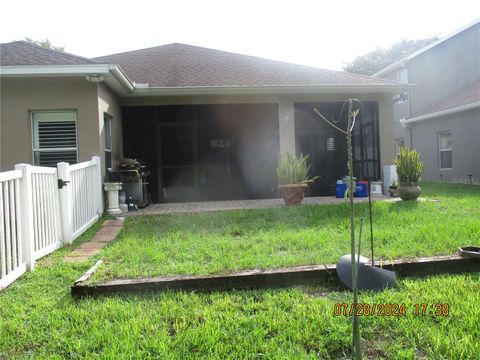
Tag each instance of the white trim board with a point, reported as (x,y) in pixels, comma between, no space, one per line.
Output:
(443,112)
(113,74)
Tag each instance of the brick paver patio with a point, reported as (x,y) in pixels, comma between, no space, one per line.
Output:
(107,233)
(192,207)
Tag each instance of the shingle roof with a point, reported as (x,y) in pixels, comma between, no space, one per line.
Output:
(178,65)
(25,53)
(468,94)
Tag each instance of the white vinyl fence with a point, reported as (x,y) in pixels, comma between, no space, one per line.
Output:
(12,259)
(81,198)
(43,208)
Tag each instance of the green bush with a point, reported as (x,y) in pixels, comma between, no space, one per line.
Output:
(293,170)
(409,166)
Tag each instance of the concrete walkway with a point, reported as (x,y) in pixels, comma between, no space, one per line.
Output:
(193,207)
(107,233)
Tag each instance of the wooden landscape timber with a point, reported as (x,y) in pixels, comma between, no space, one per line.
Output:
(260,279)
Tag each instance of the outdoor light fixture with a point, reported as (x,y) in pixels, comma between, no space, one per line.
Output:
(94,78)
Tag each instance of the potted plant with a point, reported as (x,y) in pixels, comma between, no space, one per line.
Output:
(292,176)
(393,189)
(409,169)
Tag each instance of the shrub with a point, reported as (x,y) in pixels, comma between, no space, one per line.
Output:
(293,170)
(409,166)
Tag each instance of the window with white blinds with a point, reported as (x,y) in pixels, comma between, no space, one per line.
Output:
(54,137)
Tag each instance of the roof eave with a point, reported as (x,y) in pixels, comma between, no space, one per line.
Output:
(113,74)
(122,78)
(116,78)
(258,90)
(39,70)
(445,112)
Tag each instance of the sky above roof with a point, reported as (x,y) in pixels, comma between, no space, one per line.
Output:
(325,34)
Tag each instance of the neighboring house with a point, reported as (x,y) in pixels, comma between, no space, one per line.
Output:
(209,124)
(440,115)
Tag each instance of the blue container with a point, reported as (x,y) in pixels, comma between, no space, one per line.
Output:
(340,190)
(362,190)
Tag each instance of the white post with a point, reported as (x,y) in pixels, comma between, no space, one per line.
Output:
(389,176)
(99,182)
(65,194)
(112,190)
(26,213)
(286,126)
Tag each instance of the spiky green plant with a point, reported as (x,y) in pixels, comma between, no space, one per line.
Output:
(293,170)
(409,166)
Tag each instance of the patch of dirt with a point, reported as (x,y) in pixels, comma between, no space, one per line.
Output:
(371,349)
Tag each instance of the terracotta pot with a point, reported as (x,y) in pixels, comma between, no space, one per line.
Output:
(409,191)
(293,193)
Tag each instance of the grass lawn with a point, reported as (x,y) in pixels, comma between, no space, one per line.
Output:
(39,319)
(222,242)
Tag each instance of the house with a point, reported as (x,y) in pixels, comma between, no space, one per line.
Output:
(210,124)
(440,116)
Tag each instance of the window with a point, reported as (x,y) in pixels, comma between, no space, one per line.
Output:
(445,149)
(107,136)
(399,143)
(54,137)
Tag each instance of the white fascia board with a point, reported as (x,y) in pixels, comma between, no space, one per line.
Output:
(255,90)
(390,68)
(35,70)
(122,78)
(444,112)
(114,75)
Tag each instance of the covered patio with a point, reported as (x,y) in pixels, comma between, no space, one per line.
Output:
(229,151)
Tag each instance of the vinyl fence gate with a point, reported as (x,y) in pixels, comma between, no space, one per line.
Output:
(43,208)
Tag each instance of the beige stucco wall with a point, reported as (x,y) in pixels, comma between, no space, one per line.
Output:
(286,104)
(21,96)
(386,130)
(108,103)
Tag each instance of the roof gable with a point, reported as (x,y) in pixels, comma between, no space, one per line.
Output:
(20,53)
(388,69)
(179,65)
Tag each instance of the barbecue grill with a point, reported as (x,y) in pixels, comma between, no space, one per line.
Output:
(133,174)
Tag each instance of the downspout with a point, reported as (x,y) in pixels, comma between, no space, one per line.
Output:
(410,130)
(405,126)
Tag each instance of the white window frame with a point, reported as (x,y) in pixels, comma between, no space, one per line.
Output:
(440,150)
(35,134)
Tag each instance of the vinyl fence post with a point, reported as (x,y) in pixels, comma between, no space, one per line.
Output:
(65,194)
(99,188)
(26,213)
